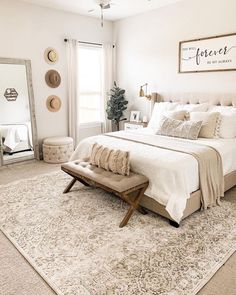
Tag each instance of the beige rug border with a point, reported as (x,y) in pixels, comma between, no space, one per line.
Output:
(32,263)
(55,288)
(59,292)
(213,272)
(29,260)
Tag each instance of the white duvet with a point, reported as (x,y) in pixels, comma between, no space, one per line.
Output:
(173,176)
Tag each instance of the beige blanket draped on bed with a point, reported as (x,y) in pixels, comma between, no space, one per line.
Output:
(211,176)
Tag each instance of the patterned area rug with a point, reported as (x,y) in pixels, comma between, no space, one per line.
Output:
(75,243)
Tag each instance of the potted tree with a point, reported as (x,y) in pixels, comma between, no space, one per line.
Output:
(116,105)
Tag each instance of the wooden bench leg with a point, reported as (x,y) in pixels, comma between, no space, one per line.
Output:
(73,181)
(127,216)
(134,206)
(69,186)
(83,182)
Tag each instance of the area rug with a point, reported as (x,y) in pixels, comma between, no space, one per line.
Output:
(75,243)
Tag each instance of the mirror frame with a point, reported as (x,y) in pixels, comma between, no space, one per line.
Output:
(27,64)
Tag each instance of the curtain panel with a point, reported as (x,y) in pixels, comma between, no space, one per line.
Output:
(73,93)
(107,82)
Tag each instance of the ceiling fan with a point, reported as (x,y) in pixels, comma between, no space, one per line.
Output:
(103,5)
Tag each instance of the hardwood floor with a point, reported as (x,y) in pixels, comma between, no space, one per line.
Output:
(17,277)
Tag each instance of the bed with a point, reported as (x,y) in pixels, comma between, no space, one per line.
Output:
(16,137)
(174,177)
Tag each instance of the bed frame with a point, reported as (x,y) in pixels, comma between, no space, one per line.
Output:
(194,202)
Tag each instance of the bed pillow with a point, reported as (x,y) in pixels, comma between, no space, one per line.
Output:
(177,115)
(177,128)
(210,125)
(116,161)
(159,109)
(191,107)
(221,109)
(227,123)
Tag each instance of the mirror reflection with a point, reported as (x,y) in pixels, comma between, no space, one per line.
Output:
(15,118)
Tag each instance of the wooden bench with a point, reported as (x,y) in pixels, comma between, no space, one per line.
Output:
(122,186)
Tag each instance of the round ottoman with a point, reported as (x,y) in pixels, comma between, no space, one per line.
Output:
(57,149)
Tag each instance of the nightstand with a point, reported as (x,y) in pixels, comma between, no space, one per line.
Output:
(134,125)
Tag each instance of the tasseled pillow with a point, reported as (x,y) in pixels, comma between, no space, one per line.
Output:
(116,161)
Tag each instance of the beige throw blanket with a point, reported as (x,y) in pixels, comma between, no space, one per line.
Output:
(211,176)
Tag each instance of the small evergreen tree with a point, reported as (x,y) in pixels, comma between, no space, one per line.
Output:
(116,105)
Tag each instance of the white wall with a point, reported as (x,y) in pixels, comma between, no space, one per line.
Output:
(147,48)
(26,31)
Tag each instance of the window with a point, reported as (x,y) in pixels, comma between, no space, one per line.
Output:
(90,84)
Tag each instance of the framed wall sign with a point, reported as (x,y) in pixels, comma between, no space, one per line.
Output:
(210,54)
(11,94)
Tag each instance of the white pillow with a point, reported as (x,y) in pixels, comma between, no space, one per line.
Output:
(159,109)
(227,128)
(210,126)
(177,115)
(221,109)
(191,107)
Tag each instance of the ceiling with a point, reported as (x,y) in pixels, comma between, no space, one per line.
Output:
(120,8)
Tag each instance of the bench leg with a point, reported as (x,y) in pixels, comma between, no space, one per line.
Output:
(127,216)
(69,186)
(134,206)
(83,182)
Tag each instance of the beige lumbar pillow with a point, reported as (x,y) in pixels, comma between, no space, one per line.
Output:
(210,125)
(177,128)
(177,115)
(116,161)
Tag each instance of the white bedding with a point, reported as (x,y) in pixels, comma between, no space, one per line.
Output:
(13,134)
(173,176)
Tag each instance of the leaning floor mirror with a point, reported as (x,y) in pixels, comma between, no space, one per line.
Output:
(18,132)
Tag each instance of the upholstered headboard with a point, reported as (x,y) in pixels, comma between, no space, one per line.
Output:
(224,99)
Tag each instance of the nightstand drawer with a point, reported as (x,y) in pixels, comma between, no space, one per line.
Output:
(130,126)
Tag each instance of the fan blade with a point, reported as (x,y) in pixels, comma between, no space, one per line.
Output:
(91,10)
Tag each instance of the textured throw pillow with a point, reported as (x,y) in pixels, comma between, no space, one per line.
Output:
(227,122)
(159,109)
(210,125)
(177,128)
(116,161)
(177,115)
(93,155)
(191,107)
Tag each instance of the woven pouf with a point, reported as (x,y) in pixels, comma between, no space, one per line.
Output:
(57,149)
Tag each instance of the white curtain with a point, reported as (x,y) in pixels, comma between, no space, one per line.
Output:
(73,93)
(107,81)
